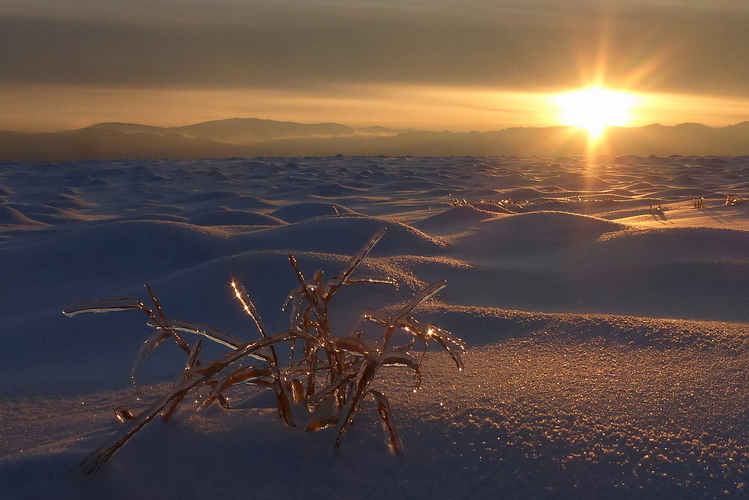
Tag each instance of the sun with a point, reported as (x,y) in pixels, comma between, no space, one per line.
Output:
(594,109)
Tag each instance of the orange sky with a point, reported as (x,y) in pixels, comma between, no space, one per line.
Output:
(438,64)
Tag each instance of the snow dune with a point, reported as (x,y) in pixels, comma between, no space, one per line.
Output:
(605,318)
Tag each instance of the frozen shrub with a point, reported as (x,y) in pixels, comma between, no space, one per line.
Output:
(327,372)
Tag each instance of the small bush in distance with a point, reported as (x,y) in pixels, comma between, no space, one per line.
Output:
(329,373)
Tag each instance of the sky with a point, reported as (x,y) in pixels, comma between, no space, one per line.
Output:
(431,64)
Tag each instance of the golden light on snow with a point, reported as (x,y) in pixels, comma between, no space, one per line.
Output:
(595,108)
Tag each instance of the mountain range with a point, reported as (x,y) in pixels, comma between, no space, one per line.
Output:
(250,137)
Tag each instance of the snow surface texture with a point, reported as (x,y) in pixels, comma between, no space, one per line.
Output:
(605,317)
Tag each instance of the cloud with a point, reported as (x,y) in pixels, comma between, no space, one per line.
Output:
(273,51)
(296,45)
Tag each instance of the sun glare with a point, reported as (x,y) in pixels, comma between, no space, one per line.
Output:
(594,109)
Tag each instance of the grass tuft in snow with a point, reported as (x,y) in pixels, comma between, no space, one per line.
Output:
(324,372)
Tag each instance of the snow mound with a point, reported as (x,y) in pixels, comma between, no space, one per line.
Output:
(342,235)
(452,219)
(128,253)
(578,182)
(245,202)
(675,193)
(678,244)
(208,196)
(333,190)
(544,228)
(486,326)
(683,180)
(268,277)
(11,217)
(523,194)
(235,218)
(66,201)
(301,211)
(47,214)
(492,207)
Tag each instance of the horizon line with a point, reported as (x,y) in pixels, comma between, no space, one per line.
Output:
(395,129)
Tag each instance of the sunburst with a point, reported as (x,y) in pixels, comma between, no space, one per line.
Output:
(594,109)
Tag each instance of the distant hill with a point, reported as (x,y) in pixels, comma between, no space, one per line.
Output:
(248,130)
(659,140)
(110,145)
(248,137)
